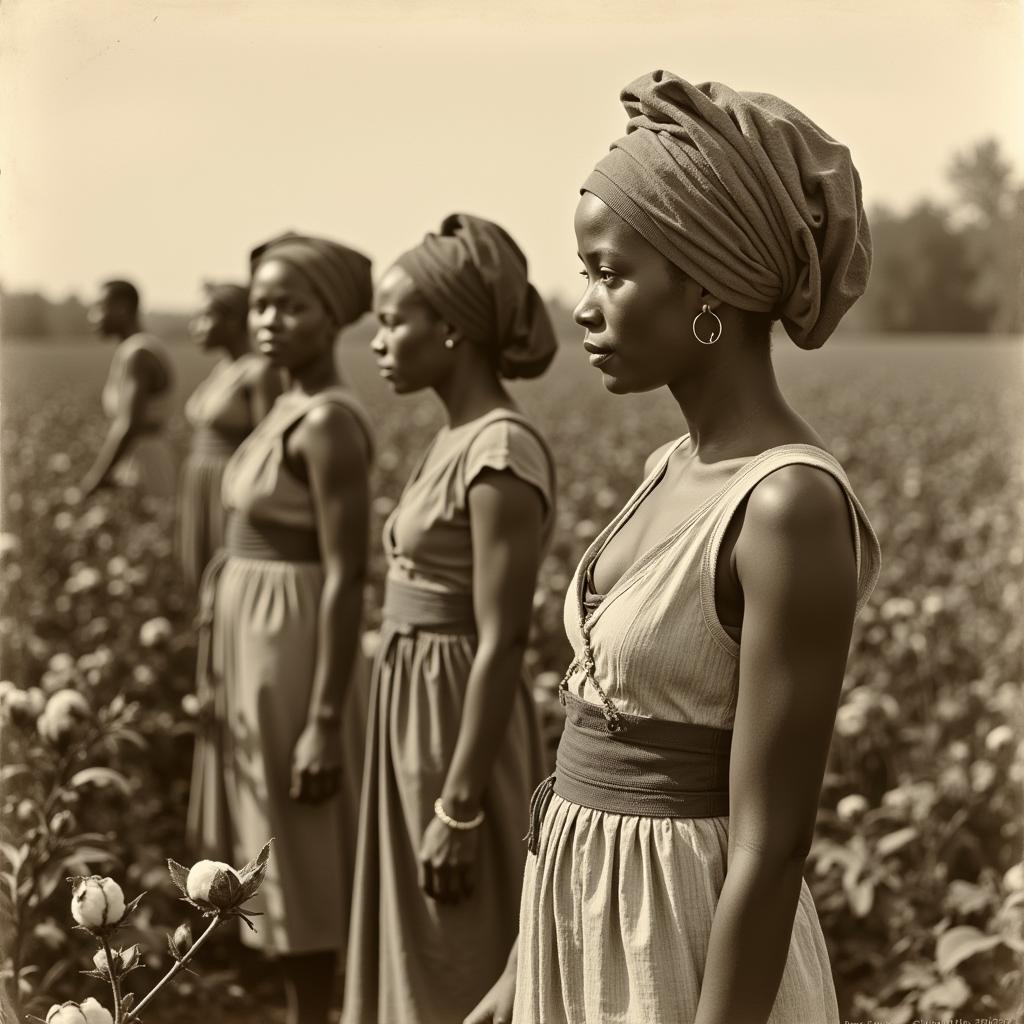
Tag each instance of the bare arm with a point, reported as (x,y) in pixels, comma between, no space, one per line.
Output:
(264,385)
(496,1005)
(506,522)
(336,458)
(142,377)
(795,564)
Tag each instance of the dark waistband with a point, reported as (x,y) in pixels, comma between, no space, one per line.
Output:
(214,443)
(271,542)
(408,607)
(653,768)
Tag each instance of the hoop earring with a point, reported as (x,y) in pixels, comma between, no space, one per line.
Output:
(449,343)
(715,335)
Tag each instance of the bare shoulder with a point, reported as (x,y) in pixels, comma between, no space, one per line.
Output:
(330,432)
(798,502)
(656,456)
(144,365)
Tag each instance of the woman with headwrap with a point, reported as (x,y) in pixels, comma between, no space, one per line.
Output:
(223,409)
(711,619)
(283,603)
(453,744)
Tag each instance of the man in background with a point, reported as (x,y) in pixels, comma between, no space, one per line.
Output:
(136,400)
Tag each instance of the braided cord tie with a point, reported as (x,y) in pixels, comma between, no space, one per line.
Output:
(586,661)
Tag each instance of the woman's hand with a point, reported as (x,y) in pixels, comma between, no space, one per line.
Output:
(447,859)
(316,764)
(496,1006)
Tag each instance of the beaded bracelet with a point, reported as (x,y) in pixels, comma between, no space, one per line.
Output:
(463,826)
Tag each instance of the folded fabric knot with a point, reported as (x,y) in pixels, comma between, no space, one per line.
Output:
(475,276)
(340,276)
(231,299)
(746,195)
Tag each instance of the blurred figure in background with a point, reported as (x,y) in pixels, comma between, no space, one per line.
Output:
(283,602)
(236,394)
(453,745)
(136,399)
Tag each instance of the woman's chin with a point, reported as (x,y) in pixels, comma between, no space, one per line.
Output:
(615,385)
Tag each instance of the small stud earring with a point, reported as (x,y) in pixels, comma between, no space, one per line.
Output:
(449,343)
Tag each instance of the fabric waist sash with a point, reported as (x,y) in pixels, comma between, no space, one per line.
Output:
(409,607)
(270,542)
(214,443)
(652,768)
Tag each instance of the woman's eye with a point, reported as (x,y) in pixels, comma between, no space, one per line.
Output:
(606,275)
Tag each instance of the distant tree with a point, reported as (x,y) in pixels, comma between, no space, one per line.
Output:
(992,208)
(67,318)
(983,183)
(921,277)
(24,315)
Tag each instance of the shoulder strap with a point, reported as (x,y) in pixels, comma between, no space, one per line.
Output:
(865,543)
(336,396)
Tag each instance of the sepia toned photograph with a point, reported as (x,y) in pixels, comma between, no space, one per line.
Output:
(512,513)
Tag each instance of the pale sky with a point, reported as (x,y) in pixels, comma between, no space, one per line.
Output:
(162,139)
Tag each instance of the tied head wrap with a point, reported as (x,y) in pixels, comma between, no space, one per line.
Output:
(340,276)
(746,195)
(474,275)
(231,299)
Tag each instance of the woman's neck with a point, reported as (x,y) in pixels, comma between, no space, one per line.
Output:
(733,407)
(315,376)
(471,390)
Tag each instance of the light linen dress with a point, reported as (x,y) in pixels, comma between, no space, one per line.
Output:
(264,653)
(220,415)
(413,960)
(148,466)
(616,910)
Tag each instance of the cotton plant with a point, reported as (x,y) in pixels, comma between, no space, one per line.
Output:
(216,890)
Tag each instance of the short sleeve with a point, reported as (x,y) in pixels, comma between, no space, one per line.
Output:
(508,445)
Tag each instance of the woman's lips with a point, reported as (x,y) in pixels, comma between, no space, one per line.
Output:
(598,355)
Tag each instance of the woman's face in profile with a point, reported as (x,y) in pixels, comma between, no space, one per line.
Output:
(288,322)
(636,310)
(214,326)
(409,343)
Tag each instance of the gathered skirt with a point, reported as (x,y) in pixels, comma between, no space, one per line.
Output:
(412,960)
(201,515)
(616,919)
(264,648)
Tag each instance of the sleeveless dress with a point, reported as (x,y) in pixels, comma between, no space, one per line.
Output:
(264,649)
(148,466)
(220,416)
(410,959)
(616,910)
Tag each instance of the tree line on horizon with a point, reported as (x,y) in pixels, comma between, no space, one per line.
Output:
(956,268)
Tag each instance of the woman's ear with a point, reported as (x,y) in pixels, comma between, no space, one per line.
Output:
(453,336)
(712,301)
